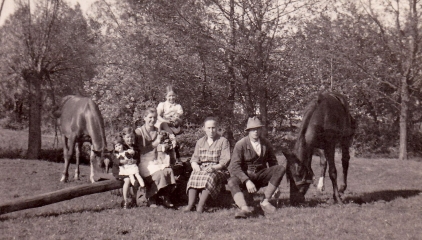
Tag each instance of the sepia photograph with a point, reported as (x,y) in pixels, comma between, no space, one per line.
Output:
(211,119)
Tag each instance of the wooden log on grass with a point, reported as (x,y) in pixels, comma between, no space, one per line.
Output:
(60,195)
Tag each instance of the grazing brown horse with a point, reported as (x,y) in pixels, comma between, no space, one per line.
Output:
(326,123)
(81,121)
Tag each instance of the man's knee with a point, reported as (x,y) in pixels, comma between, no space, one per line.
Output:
(234,184)
(233,181)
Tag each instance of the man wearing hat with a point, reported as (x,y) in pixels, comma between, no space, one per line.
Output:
(248,169)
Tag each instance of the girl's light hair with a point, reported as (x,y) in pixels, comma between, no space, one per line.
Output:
(169,89)
(127,130)
(148,111)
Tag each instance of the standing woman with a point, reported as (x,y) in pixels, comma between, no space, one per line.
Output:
(158,182)
(210,158)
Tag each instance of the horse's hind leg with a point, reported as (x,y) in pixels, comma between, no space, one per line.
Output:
(345,157)
(323,165)
(68,145)
(78,148)
(329,154)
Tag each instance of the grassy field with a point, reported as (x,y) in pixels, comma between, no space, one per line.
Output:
(383,201)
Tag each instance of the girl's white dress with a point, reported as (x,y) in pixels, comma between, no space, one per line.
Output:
(127,169)
(168,111)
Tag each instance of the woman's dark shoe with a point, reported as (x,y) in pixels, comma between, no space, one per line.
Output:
(152,202)
(167,203)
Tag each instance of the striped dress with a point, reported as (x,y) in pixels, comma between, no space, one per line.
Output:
(207,155)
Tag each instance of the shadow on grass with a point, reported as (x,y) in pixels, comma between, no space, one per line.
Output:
(364,198)
(385,195)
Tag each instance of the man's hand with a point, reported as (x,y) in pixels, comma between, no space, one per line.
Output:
(195,167)
(250,186)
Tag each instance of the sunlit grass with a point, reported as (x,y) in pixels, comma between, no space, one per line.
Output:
(383,201)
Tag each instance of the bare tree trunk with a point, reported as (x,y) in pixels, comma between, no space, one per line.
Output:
(403,119)
(1,6)
(263,108)
(34,138)
(231,73)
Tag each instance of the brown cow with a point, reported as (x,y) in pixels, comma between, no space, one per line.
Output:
(80,121)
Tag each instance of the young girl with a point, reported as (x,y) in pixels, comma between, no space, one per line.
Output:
(169,115)
(126,141)
(128,166)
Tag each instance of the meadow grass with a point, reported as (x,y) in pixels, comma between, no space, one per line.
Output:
(383,201)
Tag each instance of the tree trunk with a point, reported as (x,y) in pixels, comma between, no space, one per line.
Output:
(231,73)
(35,106)
(403,118)
(263,108)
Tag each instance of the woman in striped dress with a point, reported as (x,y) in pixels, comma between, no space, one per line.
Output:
(210,158)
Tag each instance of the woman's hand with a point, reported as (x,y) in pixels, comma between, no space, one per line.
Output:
(159,137)
(210,169)
(195,167)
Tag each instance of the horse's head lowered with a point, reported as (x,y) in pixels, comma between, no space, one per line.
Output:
(298,172)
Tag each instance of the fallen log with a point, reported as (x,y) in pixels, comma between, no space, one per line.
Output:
(60,195)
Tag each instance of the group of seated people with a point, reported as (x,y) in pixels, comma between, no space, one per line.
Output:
(145,156)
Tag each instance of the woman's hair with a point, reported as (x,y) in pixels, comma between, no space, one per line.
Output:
(148,111)
(169,88)
(210,119)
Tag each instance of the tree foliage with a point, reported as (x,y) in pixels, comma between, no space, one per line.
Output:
(230,59)
(45,52)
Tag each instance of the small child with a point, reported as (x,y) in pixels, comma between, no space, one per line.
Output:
(127,165)
(169,115)
(125,143)
(163,158)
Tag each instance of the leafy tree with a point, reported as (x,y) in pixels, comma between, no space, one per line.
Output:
(47,49)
